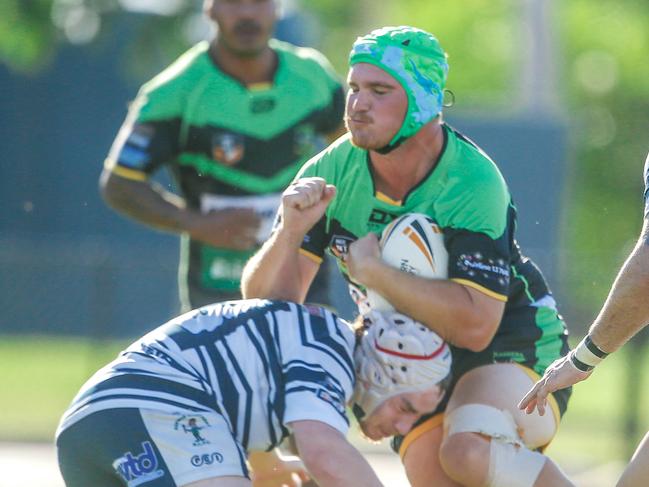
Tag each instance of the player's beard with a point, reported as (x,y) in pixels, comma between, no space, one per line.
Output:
(364,137)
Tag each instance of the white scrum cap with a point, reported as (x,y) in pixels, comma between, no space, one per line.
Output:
(396,354)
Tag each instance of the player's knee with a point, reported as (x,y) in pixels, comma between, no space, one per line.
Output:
(464,454)
(510,462)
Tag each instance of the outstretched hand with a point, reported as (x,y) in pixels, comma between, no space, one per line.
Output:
(559,375)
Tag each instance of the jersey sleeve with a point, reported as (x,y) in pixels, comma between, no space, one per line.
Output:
(141,148)
(150,135)
(315,394)
(478,233)
(316,405)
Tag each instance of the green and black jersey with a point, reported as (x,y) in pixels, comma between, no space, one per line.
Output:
(466,195)
(228,145)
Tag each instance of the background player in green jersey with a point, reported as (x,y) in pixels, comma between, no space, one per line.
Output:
(624,314)
(233,120)
(495,307)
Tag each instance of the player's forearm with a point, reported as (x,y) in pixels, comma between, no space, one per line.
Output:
(626,309)
(446,307)
(147,204)
(341,465)
(274,271)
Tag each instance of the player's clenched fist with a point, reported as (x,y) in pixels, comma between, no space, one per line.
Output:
(304,202)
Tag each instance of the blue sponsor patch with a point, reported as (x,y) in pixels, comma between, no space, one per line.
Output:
(137,469)
(133,158)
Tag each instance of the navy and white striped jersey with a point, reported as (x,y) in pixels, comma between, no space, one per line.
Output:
(261,364)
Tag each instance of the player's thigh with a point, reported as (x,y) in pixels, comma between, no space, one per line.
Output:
(221,482)
(108,449)
(196,446)
(502,386)
(420,455)
(637,472)
(161,449)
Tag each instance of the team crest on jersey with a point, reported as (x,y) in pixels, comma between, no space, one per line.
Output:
(193,425)
(305,140)
(138,468)
(227,148)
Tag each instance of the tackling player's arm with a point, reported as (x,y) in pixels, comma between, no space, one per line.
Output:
(329,458)
(625,311)
(462,315)
(278,270)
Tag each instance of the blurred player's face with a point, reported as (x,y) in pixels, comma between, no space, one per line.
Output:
(244,26)
(376,106)
(395,416)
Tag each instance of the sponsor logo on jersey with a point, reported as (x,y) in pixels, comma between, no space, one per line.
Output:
(330,398)
(476,265)
(262,104)
(330,393)
(227,148)
(193,425)
(509,357)
(380,217)
(315,310)
(339,246)
(206,459)
(136,469)
(305,140)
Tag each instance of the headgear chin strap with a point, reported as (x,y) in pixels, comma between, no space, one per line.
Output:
(417,61)
(395,355)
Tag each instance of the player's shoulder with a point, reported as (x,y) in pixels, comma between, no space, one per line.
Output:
(475,194)
(307,61)
(474,160)
(183,72)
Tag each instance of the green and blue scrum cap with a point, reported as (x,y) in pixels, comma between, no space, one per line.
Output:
(416,60)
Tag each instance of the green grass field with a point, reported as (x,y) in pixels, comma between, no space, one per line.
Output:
(39,377)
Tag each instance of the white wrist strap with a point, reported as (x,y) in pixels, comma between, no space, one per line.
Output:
(587,355)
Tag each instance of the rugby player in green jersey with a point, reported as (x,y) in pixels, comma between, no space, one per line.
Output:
(495,307)
(624,314)
(232,120)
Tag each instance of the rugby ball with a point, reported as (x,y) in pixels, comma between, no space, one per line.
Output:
(412,243)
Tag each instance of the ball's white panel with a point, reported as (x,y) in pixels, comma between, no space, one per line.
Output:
(412,243)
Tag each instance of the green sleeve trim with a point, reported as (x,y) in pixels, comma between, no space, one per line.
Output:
(525,283)
(242,179)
